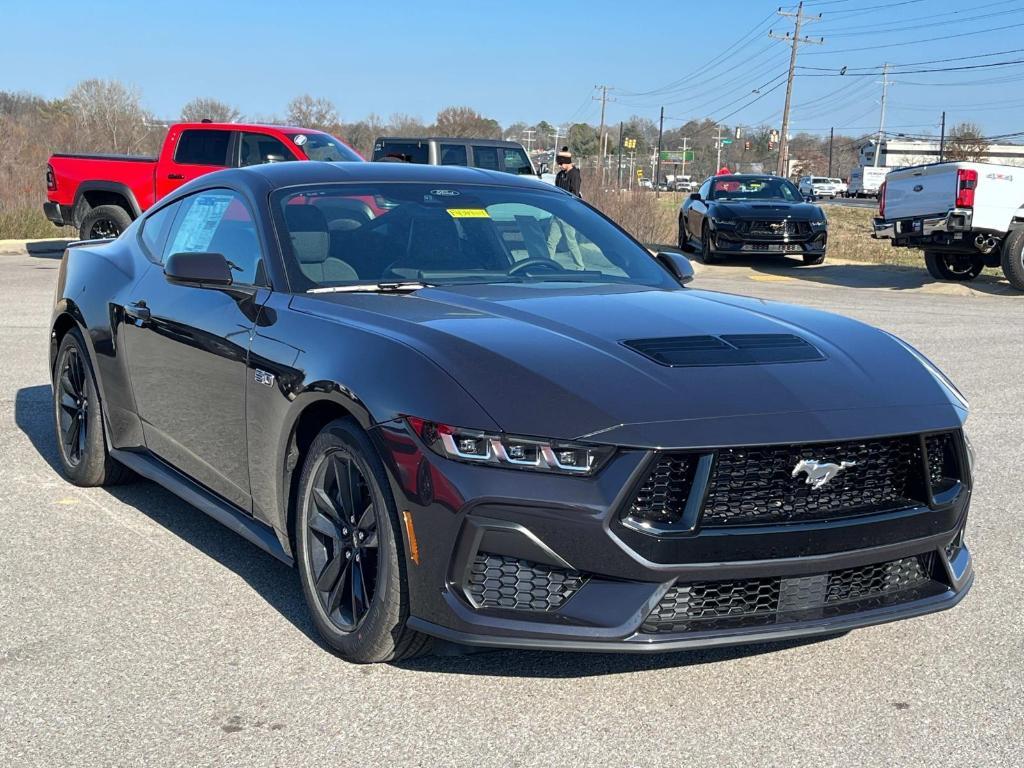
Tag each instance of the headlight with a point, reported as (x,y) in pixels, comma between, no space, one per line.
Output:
(510,451)
(819,224)
(938,375)
(723,223)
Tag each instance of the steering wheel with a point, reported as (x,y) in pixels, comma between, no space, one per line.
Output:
(524,266)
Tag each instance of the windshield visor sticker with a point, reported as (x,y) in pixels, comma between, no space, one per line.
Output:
(299,139)
(468,213)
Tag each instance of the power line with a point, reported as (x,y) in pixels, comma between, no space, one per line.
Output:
(929,22)
(918,71)
(914,42)
(927,61)
(796,40)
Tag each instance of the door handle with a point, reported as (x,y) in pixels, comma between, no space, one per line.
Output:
(175,176)
(137,310)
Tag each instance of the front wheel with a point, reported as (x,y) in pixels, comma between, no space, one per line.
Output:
(351,562)
(104,221)
(706,254)
(953,266)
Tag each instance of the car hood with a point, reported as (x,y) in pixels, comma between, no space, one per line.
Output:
(549,360)
(766,210)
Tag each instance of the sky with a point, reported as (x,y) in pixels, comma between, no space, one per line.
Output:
(533,61)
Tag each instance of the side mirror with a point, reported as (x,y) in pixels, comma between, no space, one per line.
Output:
(677,264)
(695,195)
(543,169)
(198,269)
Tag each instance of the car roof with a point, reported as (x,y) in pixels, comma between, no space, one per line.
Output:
(277,175)
(248,127)
(452,140)
(743,176)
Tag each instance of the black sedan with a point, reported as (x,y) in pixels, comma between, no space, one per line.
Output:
(467,406)
(751,215)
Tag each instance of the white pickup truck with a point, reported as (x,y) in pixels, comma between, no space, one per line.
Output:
(964,216)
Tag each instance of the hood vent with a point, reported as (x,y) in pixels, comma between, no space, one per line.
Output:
(732,349)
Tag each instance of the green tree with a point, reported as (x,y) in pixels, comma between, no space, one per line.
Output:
(582,141)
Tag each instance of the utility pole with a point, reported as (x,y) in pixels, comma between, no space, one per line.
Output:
(555,137)
(718,143)
(529,139)
(881,117)
(796,40)
(618,164)
(942,138)
(657,173)
(831,137)
(683,172)
(600,135)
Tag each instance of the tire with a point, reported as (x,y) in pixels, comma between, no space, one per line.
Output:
(360,610)
(78,419)
(706,254)
(684,237)
(104,221)
(956,267)
(812,259)
(1013,258)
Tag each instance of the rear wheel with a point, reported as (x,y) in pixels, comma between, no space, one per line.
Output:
(953,266)
(104,221)
(351,561)
(81,444)
(1013,258)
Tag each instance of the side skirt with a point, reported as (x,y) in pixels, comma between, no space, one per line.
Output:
(152,468)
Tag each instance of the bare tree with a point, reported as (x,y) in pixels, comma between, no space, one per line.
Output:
(209,109)
(108,115)
(966,144)
(467,122)
(400,124)
(319,113)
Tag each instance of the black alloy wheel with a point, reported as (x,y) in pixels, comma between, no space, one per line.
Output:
(706,254)
(342,540)
(104,229)
(953,266)
(73,406)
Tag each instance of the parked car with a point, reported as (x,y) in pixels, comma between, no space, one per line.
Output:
(841,187)
(964,216)
(752,215)
(490,154)
(866,180)
(102,194)
(394,378)
(814,187)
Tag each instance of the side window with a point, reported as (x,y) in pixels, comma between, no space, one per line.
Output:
(154,230)
(486,157)
(515,161)
(453,154)
(403,151)
(258,148)
(219,221)
(705,188)
(203,147)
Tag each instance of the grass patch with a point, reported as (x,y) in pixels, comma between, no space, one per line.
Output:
(30,224)
(849,237)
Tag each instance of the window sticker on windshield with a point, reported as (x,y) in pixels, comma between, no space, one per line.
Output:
(468,213)
(299,139)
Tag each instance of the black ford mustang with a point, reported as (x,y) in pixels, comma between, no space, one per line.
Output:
(752,215)
(468,406)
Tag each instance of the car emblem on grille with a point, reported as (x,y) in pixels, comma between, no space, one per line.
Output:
(777,226)
(819,473)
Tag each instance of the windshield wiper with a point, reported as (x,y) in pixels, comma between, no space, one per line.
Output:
(405,286)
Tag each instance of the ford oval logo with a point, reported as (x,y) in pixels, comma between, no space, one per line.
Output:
(918,187)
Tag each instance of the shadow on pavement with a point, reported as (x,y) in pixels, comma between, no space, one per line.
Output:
(279,586)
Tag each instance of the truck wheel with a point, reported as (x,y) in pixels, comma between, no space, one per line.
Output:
(953,266)
(104,221)
(1013,258)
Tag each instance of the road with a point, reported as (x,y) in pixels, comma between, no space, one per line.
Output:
(137,632)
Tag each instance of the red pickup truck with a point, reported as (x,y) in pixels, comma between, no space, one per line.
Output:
(103,194)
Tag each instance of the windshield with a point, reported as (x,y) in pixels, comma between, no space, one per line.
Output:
(766,188)
(439,234)
(321,146)
(819,180)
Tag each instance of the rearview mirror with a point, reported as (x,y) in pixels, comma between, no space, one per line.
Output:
(695,195)
(677,264)
(198,269)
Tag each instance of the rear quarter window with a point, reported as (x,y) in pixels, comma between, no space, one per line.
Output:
(404,151)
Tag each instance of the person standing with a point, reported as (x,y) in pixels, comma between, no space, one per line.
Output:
(568,177)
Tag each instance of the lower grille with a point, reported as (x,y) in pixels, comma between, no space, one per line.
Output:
(705,605)
(496,581)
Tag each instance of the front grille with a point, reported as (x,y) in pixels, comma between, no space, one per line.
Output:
(756,486)
(662,497)
(704,605)
(769,229)
(943,466)
(496,581)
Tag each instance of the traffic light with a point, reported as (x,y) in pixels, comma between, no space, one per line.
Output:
(771,145)
(629,143)
(746,145)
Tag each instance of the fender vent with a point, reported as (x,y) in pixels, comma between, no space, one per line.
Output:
(732,349)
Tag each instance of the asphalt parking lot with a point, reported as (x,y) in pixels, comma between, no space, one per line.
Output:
(136,631)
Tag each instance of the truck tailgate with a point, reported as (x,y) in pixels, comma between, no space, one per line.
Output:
(927,190)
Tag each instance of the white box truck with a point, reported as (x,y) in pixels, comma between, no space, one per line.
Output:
(964,216)
(866,180)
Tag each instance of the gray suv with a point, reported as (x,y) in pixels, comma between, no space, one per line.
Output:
(490,154)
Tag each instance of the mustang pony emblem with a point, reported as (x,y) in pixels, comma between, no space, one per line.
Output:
(820,473)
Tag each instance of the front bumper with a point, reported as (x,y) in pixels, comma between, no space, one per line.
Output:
(509,558)
(731,242)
